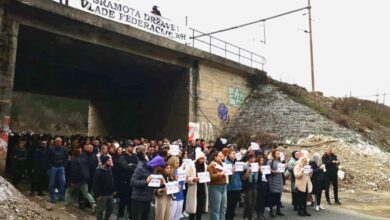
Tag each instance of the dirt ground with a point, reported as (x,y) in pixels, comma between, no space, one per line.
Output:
(366,202)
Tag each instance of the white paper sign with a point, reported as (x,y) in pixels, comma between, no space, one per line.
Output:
(282,157)
(172,187)
(254,167)
(266,169)
(181,175)
(204,177)
(239,166)
(255,146)
(238,156)
(156,181)
(281,167)
(174,150)
(306,169)
(228,169)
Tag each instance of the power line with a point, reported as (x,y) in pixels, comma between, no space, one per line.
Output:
(250,23)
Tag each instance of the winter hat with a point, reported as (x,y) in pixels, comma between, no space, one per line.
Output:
(104,159)
(199,154)
(157,161)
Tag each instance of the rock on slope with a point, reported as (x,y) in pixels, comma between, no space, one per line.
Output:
(14,205)
(366,167)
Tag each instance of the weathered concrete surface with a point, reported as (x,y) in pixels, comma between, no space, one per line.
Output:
(153,44)
(206,70)
(269,109)
(8,47)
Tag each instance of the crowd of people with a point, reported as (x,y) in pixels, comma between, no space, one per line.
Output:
(176,179)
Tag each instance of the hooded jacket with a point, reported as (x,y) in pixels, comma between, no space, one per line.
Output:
(141,191)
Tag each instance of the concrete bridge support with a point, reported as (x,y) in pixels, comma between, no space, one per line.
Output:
(8,45)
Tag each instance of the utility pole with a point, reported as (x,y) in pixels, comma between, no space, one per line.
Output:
(384,99)
(311,48)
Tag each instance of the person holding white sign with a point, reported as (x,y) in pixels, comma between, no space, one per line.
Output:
(234,186)
(178,198)
(142,195)
(275,182)
(218,191)
(197,193)
(164,200)
(249,185)
(262,189)
(303,185)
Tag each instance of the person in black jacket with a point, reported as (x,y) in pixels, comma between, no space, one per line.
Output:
(332,166)
(78,178)
(40,168)
(92,162)
(116,169)
(262,190)
(142,195)
(19,158)
(104,189)
(317,180)
(127,164)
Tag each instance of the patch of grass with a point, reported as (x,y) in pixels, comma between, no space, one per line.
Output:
(48,114)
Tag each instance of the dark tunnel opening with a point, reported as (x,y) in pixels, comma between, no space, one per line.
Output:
(129,95)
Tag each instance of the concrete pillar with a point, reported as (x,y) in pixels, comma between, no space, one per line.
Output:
(95,121)
(193,90)
(8,46)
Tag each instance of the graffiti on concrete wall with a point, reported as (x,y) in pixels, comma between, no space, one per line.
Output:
(193,131)
(207,131)
(236,96)
(204,130)
(223,112)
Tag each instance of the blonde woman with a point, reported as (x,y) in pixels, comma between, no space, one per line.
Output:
(303,185)
(178,198)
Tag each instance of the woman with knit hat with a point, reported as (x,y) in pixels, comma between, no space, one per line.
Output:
(197,193)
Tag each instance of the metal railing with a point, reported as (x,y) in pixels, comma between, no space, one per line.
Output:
(227,50)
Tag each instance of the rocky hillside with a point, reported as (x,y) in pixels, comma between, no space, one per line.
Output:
(358,130)
(290,113)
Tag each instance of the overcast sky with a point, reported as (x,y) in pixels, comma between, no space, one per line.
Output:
(351,38)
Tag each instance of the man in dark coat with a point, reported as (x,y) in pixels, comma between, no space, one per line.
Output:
(332,167)
(127,164)
(104,189)
(40,168)
(78,178)
(91,159)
